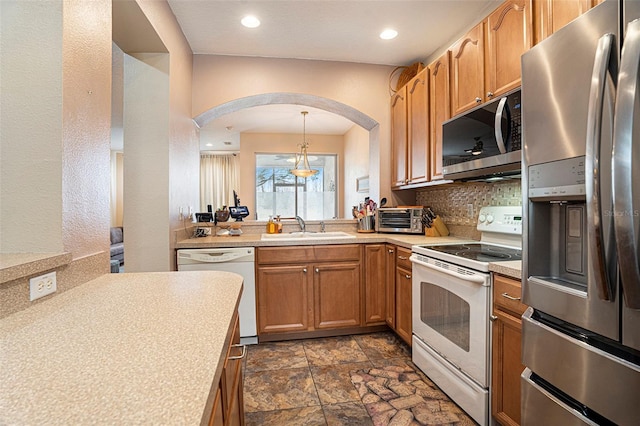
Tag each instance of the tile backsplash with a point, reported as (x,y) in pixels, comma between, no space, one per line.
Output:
(459,204)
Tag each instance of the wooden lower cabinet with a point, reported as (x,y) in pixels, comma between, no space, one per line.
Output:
(390,285)
(403,304)
(506,345)
(336,293)
(403,326)
(375,270)
(323,293)
(228,405)
(283,298)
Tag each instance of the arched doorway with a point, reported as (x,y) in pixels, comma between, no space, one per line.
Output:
(346,111)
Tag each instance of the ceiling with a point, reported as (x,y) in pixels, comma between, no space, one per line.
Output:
(319,30)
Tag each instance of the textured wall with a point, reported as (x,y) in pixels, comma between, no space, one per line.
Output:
(459,204)
(86,126)
(31,126)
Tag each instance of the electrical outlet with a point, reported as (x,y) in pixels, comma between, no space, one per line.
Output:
(42,286)
(470,210)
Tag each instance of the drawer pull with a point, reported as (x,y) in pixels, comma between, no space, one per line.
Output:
(407,276)
(242,355)
(403,257)
(505,295)
(390,251)
(304,270)
(493,317)
(317,271)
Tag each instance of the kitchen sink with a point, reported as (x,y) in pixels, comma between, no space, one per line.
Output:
(296,236)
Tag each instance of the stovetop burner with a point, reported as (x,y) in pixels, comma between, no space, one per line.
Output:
(480,252)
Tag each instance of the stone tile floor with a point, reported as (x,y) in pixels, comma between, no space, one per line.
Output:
(309,382)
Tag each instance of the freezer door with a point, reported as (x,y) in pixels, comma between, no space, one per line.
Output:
(591,377)
(568,94)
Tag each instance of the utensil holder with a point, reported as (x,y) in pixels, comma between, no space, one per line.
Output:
(366,224)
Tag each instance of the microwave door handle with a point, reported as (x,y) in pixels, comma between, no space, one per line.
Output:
(498,125)
(623,212)
(592,167)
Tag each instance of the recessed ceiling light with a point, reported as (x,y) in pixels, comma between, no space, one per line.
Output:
(250,21)
(209,144)
(388,34)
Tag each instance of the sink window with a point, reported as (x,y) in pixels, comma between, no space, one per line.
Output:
(280,192)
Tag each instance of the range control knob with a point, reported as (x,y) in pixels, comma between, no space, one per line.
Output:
(482,218)
(489,218)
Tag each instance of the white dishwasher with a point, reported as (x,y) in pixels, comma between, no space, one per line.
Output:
(236,259)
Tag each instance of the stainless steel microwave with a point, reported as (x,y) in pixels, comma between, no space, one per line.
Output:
(405,220)
(484,141)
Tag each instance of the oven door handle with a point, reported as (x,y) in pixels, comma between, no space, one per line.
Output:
(473,278)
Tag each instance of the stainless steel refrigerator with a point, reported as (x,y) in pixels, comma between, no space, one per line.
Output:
(581,207)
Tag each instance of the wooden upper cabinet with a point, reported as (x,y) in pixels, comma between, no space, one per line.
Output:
(509,35)
(399,138)
(467,71)
(551,15)
(418,127)
(439,111)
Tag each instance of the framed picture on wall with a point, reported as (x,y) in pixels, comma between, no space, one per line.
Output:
(362,184)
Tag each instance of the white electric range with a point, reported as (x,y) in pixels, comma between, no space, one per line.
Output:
(451,300)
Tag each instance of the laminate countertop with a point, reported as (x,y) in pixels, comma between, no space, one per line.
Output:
(120,349)
(511,268)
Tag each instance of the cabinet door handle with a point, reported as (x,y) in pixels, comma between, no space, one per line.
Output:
(493,317)
(489,94)
(407,276)
(304,270)
(390,251)
(242,355)
(402,257)
(478,100)
(317,271)
(510,297)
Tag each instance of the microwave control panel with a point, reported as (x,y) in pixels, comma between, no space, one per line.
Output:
(557,180)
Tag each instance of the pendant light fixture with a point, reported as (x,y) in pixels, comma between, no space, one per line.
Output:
(304,171)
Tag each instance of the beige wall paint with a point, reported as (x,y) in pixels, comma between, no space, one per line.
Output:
(252,143)
(183,166)
(221,79)
(356,154)
(31,126)
(86,126)
(56,72)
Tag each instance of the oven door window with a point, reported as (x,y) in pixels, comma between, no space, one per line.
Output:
(446,313)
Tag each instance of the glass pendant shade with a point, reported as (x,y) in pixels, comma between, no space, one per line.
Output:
(304,171)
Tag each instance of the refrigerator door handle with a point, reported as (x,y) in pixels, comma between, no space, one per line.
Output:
(592,167)
(623,212)
(498,125)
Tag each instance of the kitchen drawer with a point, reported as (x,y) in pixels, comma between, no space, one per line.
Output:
(506,295)
(279,255)
(306,254)
(337,252)
(402,258)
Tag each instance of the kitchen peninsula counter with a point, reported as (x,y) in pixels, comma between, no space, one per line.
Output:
(121,349)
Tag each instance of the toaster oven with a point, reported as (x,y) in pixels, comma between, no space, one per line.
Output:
(406,220)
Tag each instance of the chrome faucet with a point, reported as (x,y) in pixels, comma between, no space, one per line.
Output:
(303,226)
